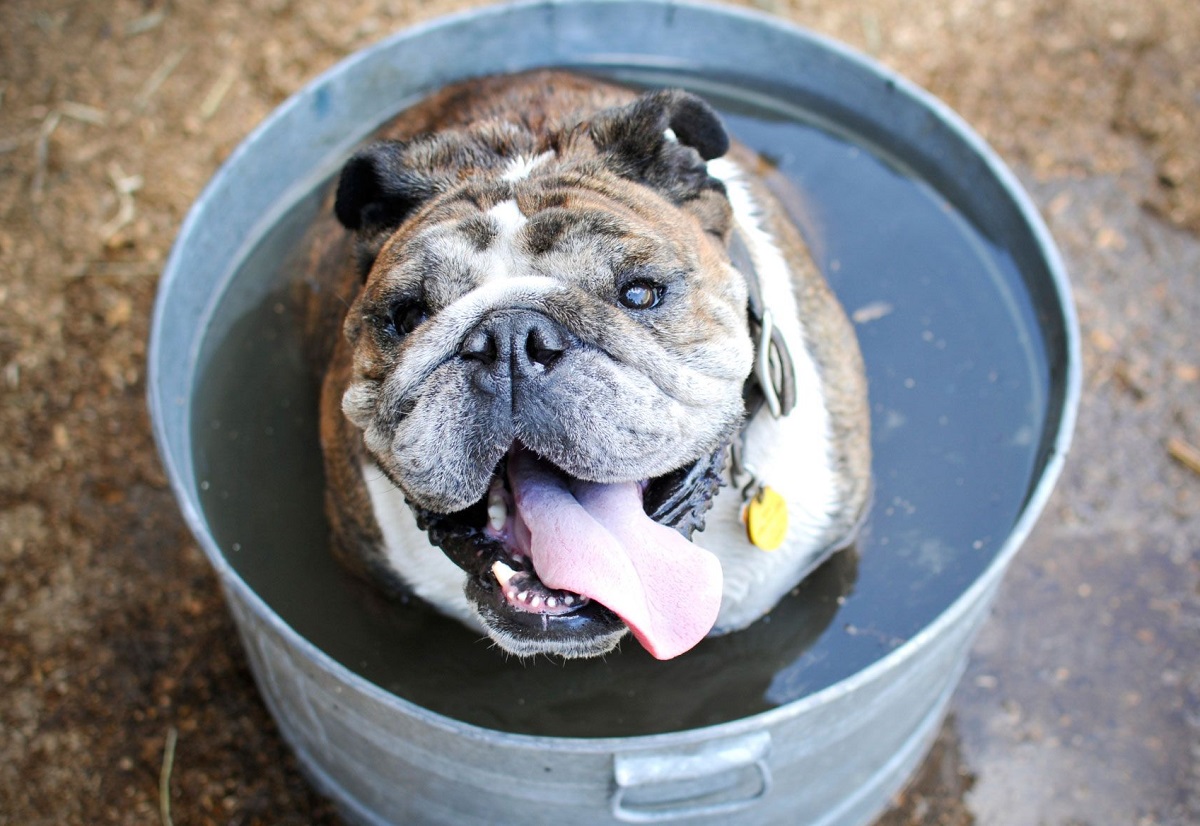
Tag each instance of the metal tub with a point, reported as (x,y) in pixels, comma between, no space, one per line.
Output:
(832,757)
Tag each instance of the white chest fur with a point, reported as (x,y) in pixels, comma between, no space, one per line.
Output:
(428,571)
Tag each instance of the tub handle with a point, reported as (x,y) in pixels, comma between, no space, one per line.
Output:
(655,787)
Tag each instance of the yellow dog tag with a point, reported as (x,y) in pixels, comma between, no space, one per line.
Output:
(766,519)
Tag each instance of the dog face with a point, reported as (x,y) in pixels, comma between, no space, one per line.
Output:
(549,351)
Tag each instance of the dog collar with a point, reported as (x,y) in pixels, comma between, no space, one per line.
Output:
(773,380)
(772,383)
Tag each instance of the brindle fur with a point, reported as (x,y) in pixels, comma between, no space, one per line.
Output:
(460,140)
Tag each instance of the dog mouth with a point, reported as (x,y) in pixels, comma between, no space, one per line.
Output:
(565,566)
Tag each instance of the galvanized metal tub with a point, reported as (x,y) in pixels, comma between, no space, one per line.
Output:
(831,757)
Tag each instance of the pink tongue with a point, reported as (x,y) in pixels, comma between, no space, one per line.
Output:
(597,541)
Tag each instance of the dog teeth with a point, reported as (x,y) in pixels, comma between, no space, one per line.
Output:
(502,572)
(497,516)
(510,581)
(497,509)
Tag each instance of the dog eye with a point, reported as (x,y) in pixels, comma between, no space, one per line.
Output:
(641,295)
(406,316)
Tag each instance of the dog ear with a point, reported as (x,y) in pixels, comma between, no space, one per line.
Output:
(695,123)
(378,189)
(663,139)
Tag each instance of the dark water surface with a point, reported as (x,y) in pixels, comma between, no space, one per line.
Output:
(959,392)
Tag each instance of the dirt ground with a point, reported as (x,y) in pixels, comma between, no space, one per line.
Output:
(1082,704)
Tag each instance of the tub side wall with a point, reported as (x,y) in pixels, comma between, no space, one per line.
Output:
(834,763)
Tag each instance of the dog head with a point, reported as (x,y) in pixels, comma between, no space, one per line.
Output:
(549,352)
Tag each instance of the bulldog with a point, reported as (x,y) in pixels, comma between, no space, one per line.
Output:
(588,380)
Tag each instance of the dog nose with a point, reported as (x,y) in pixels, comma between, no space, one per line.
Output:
(525,342)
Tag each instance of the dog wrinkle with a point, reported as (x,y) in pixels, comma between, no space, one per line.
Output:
(501,259)
(480,230)
(693,394)
(446,470)
(439,339)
